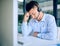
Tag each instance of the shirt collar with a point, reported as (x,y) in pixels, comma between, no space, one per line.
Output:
(43,19)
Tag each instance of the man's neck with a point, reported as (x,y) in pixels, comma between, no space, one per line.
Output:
(40,16)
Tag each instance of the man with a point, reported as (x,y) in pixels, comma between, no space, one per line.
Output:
(41,25)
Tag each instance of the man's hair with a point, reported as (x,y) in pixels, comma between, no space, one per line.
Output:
(30,5)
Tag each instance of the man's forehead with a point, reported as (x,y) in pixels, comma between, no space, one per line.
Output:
(31,10)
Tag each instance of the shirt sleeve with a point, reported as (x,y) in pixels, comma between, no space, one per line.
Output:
(26,29)
(52,30)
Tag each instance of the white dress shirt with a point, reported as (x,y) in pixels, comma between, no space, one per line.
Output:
(46,27)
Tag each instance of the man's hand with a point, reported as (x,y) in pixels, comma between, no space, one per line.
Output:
(35,34)
(26,17)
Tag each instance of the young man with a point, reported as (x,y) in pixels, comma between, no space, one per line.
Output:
(41,25)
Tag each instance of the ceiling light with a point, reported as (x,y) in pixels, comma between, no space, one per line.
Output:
(20,0)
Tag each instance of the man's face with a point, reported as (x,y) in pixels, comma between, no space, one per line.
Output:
(34,12)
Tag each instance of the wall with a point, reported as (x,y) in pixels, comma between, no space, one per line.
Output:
(0,24)
(8,22)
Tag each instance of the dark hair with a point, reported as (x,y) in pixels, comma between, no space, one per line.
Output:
(30,5)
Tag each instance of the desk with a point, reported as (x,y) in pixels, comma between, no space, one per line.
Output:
(33,41)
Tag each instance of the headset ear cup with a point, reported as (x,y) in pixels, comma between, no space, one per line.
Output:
(39,9)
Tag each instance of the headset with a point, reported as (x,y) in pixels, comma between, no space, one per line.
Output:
(39,9)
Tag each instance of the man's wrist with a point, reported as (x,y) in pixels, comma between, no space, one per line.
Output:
(38,35)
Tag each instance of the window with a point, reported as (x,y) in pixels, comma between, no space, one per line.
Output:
(20,14)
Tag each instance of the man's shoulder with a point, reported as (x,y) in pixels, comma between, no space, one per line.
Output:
(49,16)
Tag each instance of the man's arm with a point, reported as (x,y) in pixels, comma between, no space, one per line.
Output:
(26,28)
(52,30)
